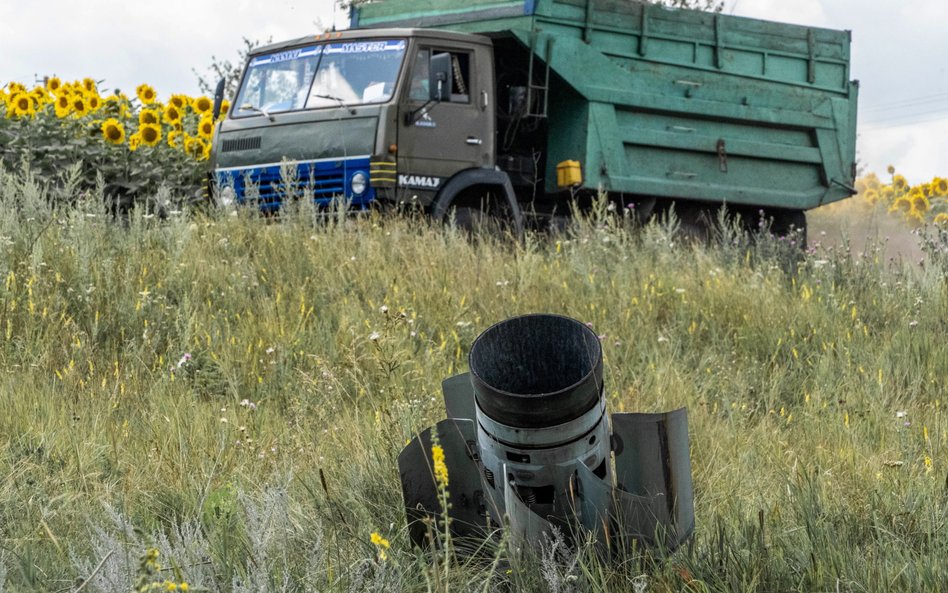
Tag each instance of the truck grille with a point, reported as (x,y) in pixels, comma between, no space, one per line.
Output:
(236,144)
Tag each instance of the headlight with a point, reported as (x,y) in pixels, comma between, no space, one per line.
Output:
(228,196)
(359,182)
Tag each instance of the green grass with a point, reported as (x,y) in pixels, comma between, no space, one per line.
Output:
(816,398)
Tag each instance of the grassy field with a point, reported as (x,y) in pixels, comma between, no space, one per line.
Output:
(233,393)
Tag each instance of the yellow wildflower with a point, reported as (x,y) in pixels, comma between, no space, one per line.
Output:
(440,468)
(381,543)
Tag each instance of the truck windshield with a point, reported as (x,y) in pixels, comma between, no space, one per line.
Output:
(344,73)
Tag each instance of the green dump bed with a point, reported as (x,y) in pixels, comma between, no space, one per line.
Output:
(675,103)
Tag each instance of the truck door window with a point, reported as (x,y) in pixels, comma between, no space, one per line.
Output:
(461,76)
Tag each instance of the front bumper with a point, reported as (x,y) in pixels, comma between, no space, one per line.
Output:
(323,181)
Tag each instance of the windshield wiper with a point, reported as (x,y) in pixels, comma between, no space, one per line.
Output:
(342,103)
(249,107)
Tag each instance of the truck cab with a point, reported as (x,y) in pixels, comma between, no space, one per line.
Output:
(396,116)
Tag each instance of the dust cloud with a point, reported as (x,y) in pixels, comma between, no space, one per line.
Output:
(864,228)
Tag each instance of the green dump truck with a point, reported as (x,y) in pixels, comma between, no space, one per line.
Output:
(497,108)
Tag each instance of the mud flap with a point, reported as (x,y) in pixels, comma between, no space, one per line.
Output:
(653,465)
(469,523)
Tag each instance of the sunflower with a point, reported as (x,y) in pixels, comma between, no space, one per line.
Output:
(901,204)
(941,186)
(920,204)
(179,101)
(134,141)
(63,106)
(225,107)
(899,182)
(172,114)
(95,102)
(201,104)
(206,127)
(89,85)
(41,95)
(150,134)
(941,218)
(174,138)
(53,83)
(872,196)
(22,104)
(79,104)
(145,93)
(113,131)
(194,146)
(148,116)
(16,87)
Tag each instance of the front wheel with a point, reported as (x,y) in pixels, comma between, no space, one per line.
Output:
(475,221)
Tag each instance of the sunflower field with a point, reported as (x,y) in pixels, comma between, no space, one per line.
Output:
(917,205)
(131,145)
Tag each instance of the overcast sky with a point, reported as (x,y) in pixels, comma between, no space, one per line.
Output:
(898,54)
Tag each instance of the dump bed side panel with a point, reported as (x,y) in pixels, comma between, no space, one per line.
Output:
(679,103)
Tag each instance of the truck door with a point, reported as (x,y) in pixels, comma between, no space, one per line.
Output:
(438,139)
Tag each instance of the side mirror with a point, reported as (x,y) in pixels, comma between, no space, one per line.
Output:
(439,74)
(218,98)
